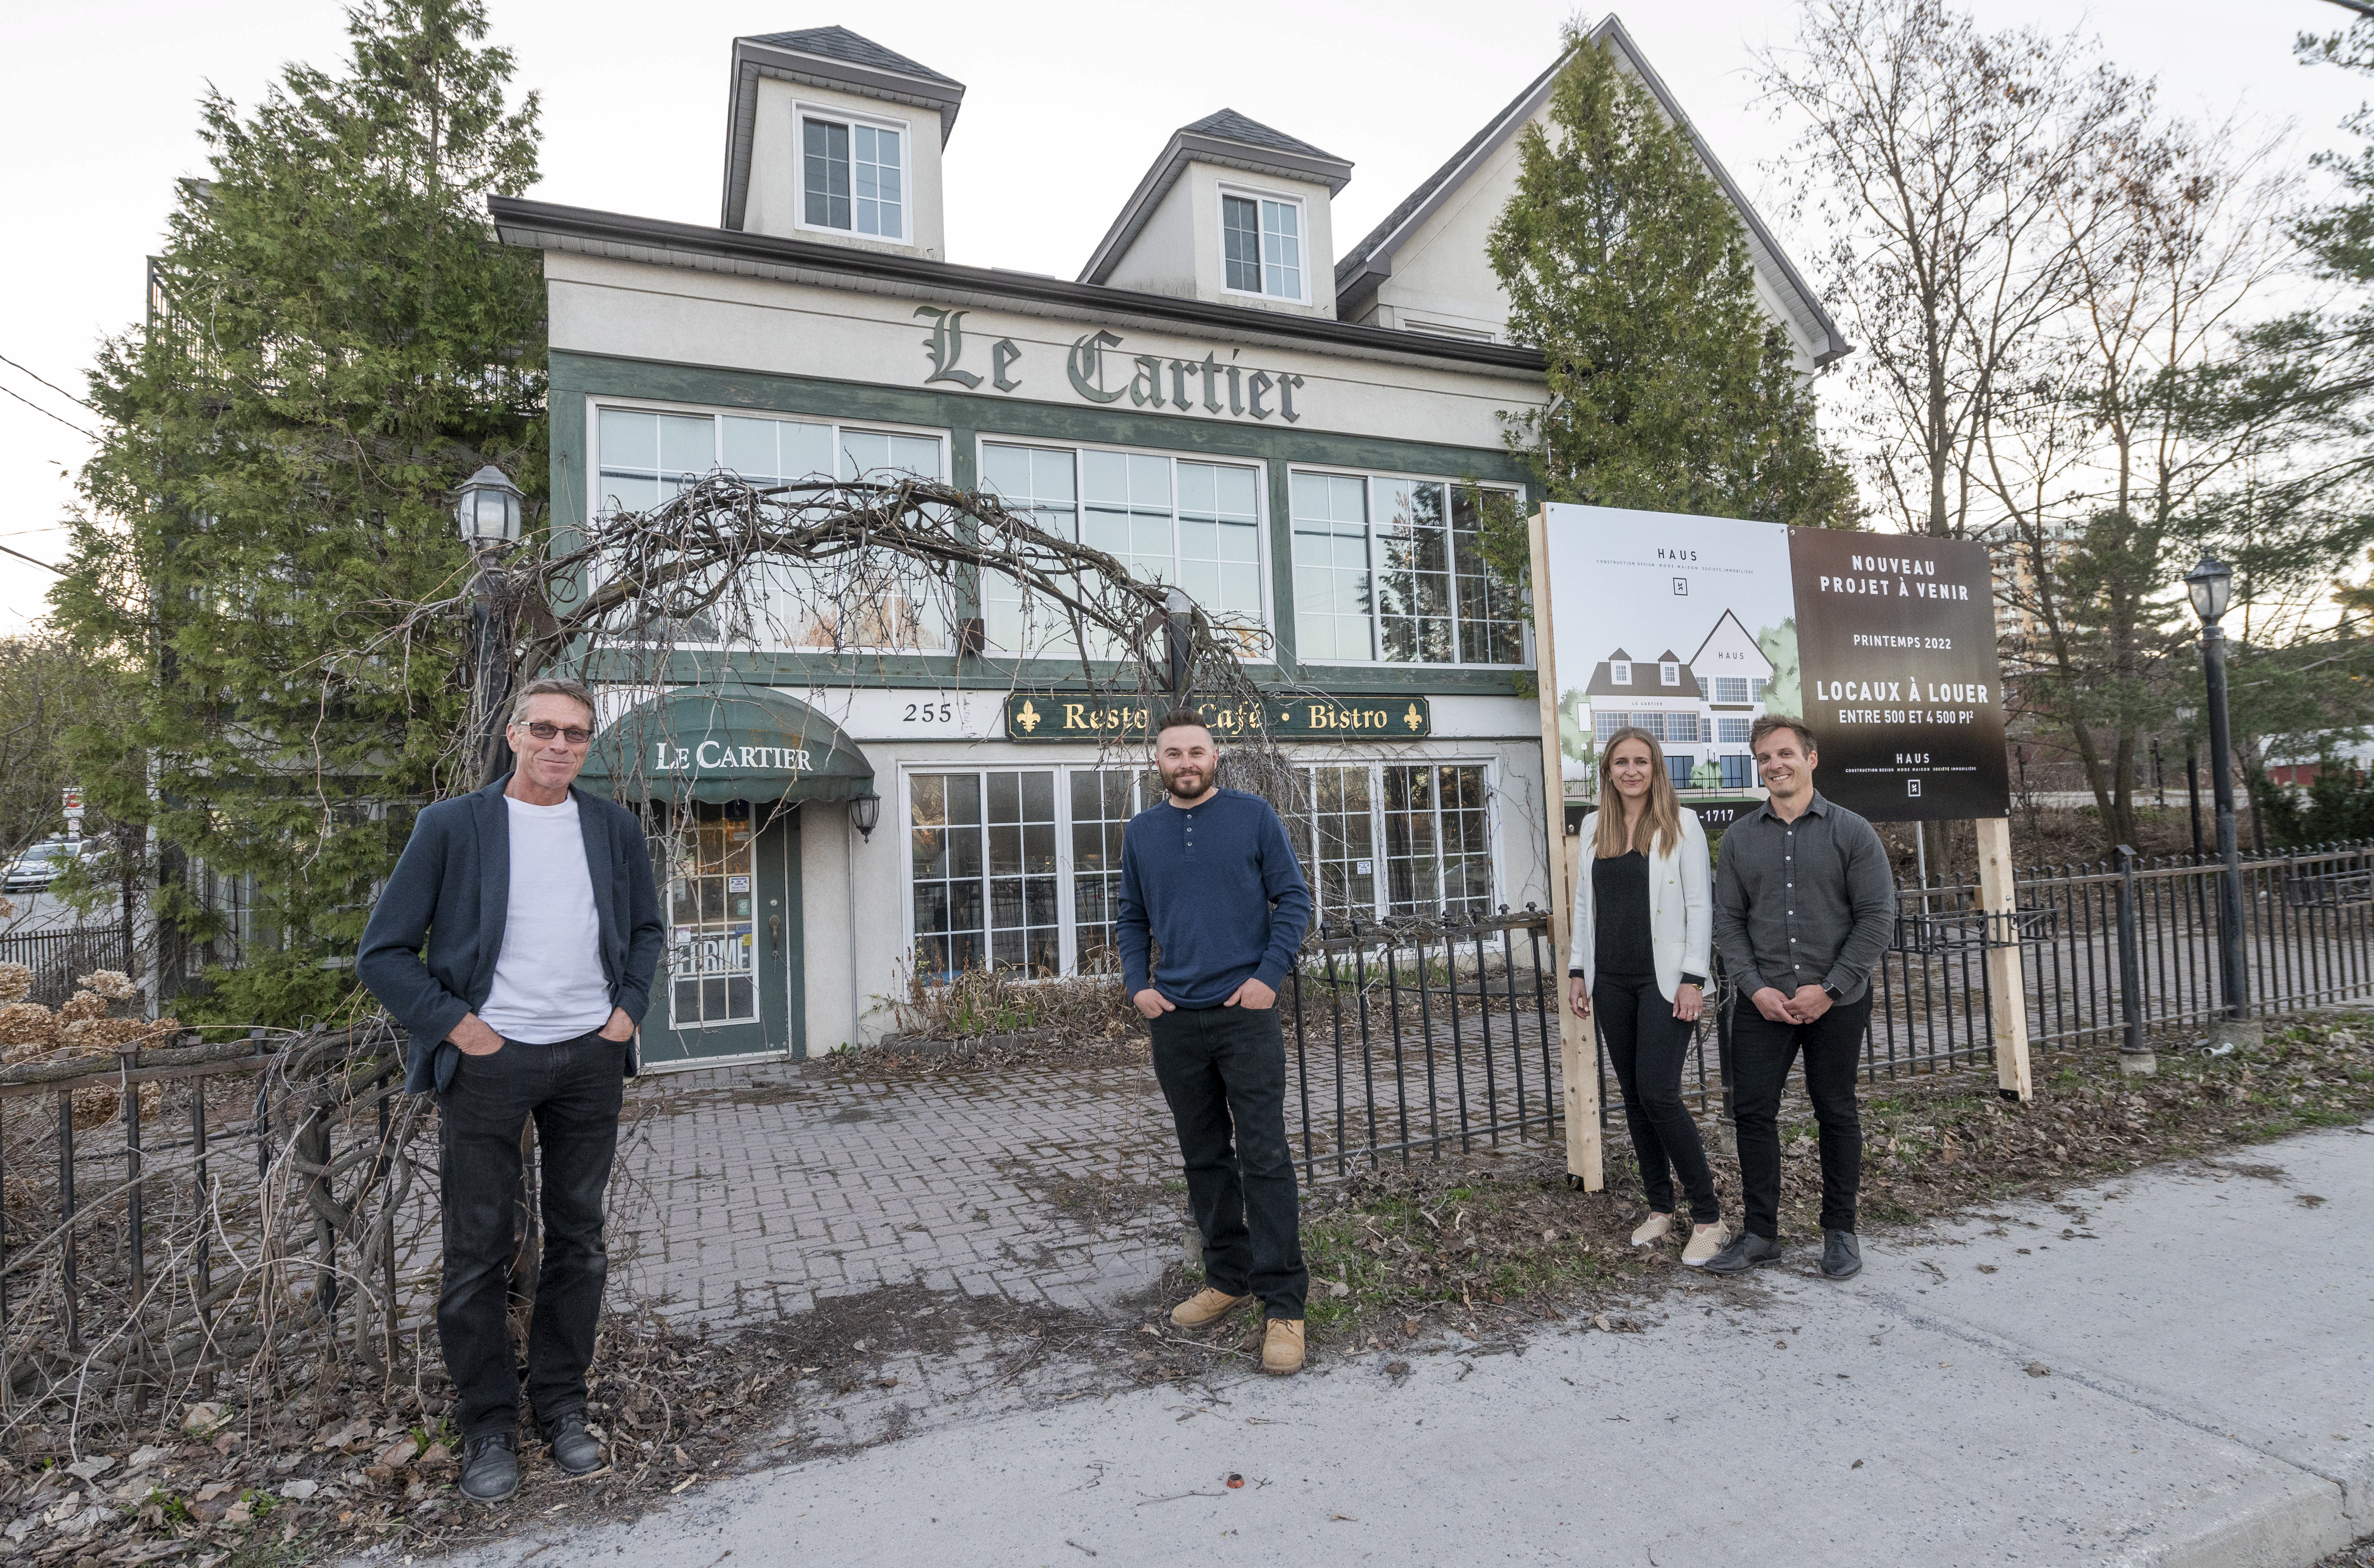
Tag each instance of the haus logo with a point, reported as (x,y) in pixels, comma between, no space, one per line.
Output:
(1097,368)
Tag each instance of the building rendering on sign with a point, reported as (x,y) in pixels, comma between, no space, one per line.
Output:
(1285,428)
(1699,707)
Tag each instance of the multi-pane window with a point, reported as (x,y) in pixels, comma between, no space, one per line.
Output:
(1340,861)
(1670,729)
(1193,524)
(1020,869)
(1103,800)
(982,860)
(1731,730)
(1619,672)
(1755,686)
(1438,846)
(1393,569)
(644,457)
(1396,838)
(851,178)
(1262,246)
(1669,675)
(1731,689)
(1738,772)
(1333,616)
(712,946)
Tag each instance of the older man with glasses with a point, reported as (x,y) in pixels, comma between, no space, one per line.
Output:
(516,943)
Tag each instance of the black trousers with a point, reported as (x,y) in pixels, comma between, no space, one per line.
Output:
(1222,1071)
(573,1090)
(1761,1054)
(1647,1045)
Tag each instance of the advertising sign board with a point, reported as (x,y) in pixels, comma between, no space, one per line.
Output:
(1692,627)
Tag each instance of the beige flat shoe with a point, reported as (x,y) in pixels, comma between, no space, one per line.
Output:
(1656,1227)
(1282,1347)
(1704,1244)
(1206,1306)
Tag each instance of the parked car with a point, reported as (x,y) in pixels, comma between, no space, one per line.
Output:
(39,865)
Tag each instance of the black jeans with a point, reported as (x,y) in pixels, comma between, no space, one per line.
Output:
(573,1090)
(1761,1052)
(1646,1045)
(1223,1070)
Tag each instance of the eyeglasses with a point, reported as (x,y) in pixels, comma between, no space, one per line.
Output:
(543,729)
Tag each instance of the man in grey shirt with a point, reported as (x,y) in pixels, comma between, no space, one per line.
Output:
(1804,902)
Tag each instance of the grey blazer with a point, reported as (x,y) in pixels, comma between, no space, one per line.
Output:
(428,952)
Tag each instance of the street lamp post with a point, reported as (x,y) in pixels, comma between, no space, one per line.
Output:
(2210,586)
(487,509)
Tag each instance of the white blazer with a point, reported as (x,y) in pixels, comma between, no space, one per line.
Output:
(1681,907)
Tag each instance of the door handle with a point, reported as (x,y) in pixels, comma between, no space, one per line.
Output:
(775,928)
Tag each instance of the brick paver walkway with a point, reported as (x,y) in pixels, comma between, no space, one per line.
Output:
(751,1192)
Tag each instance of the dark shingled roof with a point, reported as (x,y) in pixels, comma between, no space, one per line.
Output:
(1229,125)
(839,43)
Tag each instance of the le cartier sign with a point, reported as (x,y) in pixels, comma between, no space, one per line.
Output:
(1099,371)
(1085,715)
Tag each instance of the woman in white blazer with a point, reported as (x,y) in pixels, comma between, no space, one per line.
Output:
(1643,938)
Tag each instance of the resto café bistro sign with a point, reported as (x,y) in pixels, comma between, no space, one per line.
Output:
(1097,369)
(1088,716)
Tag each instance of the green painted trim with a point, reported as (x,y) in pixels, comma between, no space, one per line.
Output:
(968,419)
(582,375)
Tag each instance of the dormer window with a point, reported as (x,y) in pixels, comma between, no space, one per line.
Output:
(1619,673)
(1669,675)
(1262,246)
(852,177)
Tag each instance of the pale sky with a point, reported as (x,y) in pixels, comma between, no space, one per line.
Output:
(1066,106)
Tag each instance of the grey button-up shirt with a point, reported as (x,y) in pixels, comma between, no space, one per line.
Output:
(1803,903)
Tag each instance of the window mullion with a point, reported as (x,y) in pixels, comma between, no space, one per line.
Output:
(1067,943)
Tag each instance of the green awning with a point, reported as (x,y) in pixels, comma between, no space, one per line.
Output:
(707,744)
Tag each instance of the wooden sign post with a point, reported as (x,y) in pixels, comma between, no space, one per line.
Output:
(1577,1048)
(2007,988)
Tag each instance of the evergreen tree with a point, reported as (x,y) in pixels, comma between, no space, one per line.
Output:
(335,341)
(1626,265)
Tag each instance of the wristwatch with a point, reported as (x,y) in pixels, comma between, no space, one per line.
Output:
(1834,994)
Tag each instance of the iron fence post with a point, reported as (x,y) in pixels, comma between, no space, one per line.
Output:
(2134,1058)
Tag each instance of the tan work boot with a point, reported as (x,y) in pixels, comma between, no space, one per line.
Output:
(1656,1227)
(1704,1242)
(1282,1347)
(1205,1307)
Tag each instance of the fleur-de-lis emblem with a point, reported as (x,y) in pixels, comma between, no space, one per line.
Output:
(1412,719)
(1026,717)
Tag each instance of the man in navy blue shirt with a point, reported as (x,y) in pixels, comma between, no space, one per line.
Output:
(1209,878)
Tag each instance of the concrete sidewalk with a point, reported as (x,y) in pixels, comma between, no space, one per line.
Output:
(2174,1369)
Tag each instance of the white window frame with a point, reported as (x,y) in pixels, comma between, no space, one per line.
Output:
(1373,477)
(1619,672)
(801,113)
(1256,194)
(1066,904)
(716,414)
(1669,675)
(984,440)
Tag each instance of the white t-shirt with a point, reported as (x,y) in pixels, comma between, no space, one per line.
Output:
(548,980)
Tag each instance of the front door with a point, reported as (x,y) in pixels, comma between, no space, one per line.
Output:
(729,985)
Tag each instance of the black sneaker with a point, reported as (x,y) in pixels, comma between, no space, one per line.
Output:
(1747,1252)
(491,1466)
(1841,1254)
(573,1448)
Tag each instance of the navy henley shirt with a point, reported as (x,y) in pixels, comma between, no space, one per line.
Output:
(1218,886)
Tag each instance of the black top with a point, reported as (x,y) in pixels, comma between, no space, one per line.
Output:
(1619,917)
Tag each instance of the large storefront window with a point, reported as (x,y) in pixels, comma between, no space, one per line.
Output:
(644,457)
(1426,825)
(1392,570)
(1018,870)
(711,935)
(1193,524)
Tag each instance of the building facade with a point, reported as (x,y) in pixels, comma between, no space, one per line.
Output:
(1218,398)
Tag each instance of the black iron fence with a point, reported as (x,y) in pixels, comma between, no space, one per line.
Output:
(1411,1037)
(58,958)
